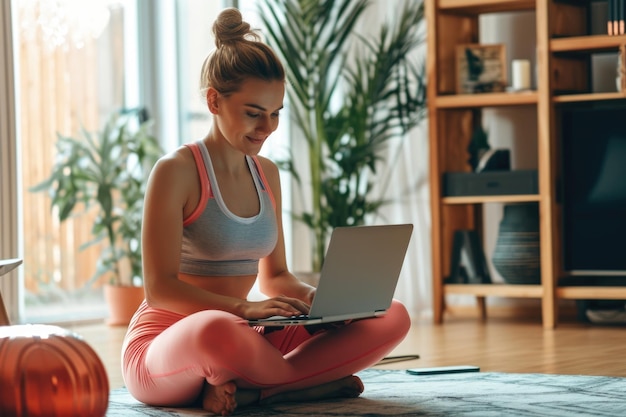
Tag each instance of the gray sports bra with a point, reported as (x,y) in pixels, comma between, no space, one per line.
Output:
(217,242)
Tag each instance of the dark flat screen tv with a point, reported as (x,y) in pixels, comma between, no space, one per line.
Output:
(594,189)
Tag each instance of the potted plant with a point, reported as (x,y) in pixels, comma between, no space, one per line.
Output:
(349,94)
(108,170)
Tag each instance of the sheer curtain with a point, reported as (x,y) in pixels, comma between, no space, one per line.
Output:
(407,188)
(402,179)
(8,163)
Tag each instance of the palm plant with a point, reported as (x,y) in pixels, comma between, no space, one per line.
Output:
(349,95)
(107,169)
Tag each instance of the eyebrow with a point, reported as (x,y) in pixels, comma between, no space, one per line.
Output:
(256,106)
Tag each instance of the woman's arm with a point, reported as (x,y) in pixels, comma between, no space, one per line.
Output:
(274,276)
(173,188)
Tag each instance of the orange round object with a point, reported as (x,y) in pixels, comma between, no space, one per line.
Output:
(49,371)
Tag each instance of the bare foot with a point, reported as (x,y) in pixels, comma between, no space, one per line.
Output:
(224,399)
(348,387)
(219,399)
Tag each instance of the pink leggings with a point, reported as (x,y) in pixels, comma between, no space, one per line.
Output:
(166,357)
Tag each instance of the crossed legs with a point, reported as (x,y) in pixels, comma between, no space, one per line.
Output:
(221,350)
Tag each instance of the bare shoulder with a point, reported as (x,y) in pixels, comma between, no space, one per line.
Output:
(269,168)
(272,175)
(179,162)
(175,169)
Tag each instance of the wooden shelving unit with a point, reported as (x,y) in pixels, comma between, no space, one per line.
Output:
(563,67)
(481,199)
(594,43)
(461,101)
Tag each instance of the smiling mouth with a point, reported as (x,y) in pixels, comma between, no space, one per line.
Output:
(256,140)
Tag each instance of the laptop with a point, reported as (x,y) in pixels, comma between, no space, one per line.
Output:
(358,278)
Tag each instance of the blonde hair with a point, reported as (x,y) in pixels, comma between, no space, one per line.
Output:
(239,55)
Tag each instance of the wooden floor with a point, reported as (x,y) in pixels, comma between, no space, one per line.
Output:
(497,345)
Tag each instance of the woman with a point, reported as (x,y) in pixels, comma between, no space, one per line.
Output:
(212,227)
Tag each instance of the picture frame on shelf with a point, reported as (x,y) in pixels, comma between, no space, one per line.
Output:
(481,68)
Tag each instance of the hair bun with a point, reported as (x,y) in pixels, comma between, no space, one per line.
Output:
(229,27)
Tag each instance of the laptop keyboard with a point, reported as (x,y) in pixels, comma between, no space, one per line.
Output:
(296,317)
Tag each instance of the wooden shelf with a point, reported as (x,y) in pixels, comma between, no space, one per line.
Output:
(499,290)
(486,100)
(476,7)
(588,44)
(575,98)
(481,199)
(563,64)
(592,293)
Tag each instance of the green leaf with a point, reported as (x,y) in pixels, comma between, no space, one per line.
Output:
(349,95)
(108,170)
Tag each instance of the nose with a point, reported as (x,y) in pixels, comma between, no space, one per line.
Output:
(266,125)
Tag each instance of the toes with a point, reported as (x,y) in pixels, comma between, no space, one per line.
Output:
(220,399)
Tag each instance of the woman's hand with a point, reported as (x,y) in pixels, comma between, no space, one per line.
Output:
(276,306)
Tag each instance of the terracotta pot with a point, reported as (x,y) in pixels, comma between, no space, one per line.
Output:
(123,301)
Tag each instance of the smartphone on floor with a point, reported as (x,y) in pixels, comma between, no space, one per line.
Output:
(443,370)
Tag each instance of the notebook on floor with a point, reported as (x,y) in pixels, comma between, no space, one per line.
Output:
(359,275)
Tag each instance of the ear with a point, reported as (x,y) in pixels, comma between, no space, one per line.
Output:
(212,99)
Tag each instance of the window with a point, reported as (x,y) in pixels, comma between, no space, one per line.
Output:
(195,41)
(73,59)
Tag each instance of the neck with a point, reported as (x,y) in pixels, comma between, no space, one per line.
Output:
(223,156)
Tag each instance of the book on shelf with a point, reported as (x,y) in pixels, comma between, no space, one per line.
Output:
(622,16)
(609,17)
(616,17)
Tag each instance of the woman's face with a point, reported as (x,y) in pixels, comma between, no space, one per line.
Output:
(247,117)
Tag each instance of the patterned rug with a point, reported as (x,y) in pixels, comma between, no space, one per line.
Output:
(479,394)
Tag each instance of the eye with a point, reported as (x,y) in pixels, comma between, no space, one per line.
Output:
(253,115)
(275,115)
